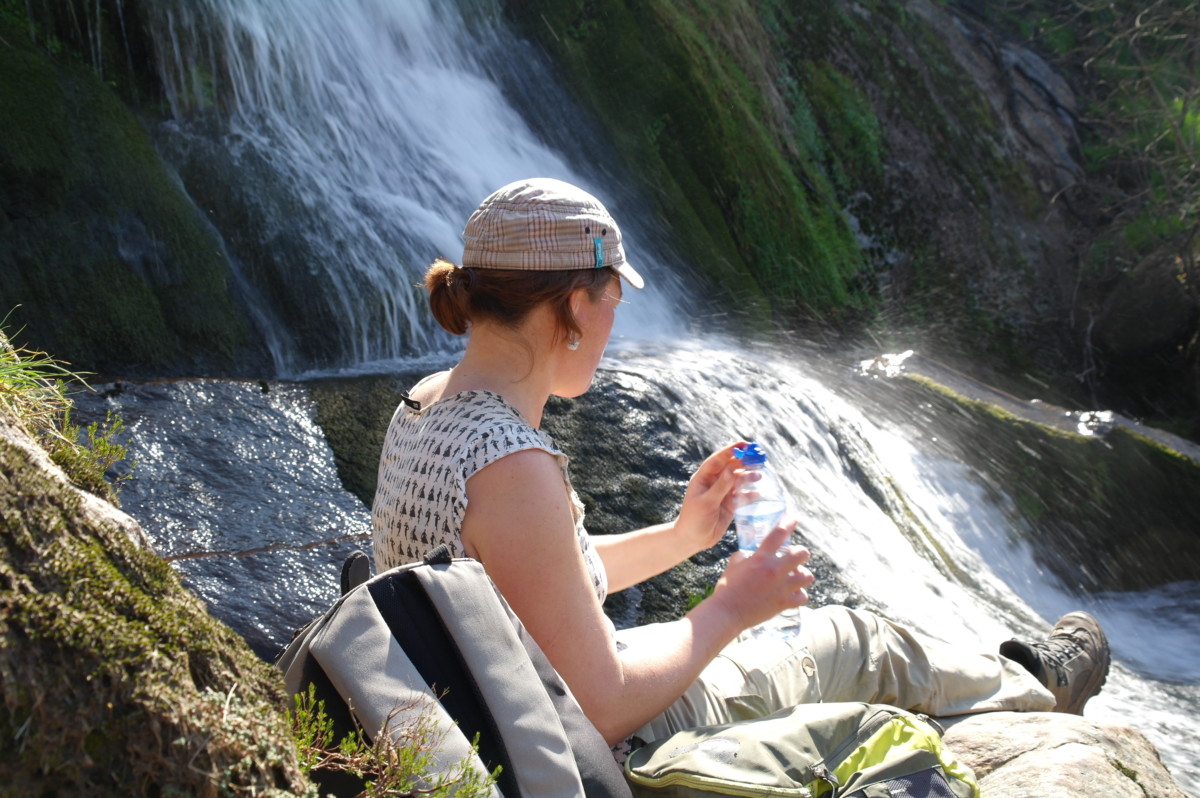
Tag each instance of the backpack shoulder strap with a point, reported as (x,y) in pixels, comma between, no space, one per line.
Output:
(519,679)
(355,571)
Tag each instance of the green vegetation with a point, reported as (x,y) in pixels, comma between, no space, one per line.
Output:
(1139,280)
(34,391)
(1137,61)
(772,131)
(763,131)
(116,681)
(396,763)
(736,163)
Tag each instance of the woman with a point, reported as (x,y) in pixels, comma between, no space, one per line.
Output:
(465,463)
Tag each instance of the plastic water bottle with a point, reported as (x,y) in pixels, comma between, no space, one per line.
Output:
(758,506)
(759,503)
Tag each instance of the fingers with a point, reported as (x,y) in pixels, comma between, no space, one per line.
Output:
(773,579)
(789,560)
(722,456)
(716,470)
(778,536)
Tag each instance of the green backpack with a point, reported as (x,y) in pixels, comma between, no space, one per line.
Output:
(839,750)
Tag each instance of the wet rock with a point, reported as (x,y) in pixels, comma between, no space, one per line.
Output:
(104,259)
(635,475)
(1105,502)
(354,414)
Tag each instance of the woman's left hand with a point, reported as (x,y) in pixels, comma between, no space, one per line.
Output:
(707,507)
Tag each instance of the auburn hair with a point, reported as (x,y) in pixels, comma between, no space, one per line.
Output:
(460,296)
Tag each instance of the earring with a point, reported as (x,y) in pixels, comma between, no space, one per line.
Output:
(573,344)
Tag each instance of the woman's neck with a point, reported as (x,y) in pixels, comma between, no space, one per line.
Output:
(499,363)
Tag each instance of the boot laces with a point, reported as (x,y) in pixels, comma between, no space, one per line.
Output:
(1057,652)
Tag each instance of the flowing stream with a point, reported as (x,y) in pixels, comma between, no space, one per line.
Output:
(338,145)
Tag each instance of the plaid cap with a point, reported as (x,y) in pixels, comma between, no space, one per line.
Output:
(542,224)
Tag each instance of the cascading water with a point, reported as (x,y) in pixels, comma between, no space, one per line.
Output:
(358,135)
(338,145)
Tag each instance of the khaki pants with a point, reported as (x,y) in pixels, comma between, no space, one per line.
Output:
(847,655)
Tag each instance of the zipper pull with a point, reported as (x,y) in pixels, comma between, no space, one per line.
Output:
(826,775)
(937,727)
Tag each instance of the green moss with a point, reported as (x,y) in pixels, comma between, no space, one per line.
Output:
(851,132)
(766,119)
(113,266)
(747,204)
(116,681)
(1124,770)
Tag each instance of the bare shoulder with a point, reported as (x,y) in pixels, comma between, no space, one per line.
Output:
(535,466)
(519,500)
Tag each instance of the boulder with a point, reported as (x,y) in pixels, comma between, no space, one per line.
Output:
(1018,754)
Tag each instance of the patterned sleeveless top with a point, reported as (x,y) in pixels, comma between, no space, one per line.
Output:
(428,456)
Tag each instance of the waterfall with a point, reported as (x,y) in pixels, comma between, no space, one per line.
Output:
(339,146)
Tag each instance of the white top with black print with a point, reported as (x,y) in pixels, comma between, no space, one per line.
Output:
(428,456)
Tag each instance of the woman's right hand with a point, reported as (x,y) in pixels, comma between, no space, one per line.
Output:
(758,587)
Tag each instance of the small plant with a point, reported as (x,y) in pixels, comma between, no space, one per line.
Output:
(33,392)
(397,762)
(88,464)
(694,597)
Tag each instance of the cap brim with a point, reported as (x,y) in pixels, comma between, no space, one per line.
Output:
(630,274)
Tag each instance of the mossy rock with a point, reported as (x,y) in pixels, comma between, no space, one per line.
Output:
(113,267)
(354,414)
(711,138)
(1111,511)
(114,680)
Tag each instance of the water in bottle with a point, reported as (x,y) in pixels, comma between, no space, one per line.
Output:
(760,502)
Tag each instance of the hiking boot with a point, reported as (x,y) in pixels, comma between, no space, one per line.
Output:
(1072,663)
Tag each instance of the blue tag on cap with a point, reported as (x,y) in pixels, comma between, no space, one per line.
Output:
(599,252)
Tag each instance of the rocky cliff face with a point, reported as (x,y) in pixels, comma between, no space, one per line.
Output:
(916,167)
(956,148)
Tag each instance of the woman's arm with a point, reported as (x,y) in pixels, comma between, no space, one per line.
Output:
(518,524)
(633,557)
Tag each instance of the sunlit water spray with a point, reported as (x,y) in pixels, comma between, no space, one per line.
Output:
(928,540)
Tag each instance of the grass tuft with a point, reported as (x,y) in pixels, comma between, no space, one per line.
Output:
(34,391)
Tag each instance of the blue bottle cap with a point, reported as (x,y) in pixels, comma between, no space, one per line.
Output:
(751,454)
